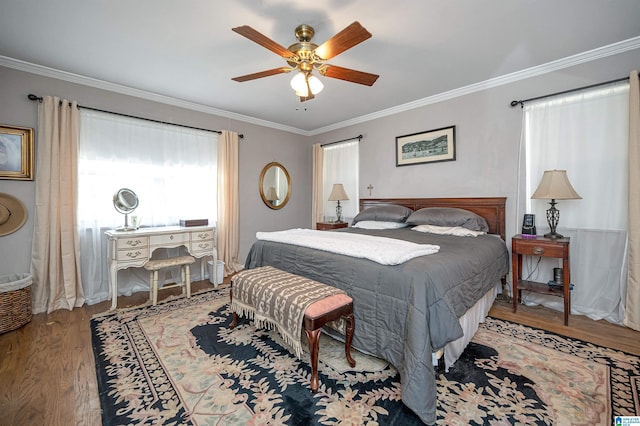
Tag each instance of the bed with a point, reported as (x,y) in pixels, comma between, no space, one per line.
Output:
(406,312)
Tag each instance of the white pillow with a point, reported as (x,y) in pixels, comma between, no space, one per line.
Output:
(457,231)
(376,224)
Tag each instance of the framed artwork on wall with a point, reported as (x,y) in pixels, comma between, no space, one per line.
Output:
(431,146)
(16,153)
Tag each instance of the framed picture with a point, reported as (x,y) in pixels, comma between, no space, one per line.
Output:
(426,147)
(16,153)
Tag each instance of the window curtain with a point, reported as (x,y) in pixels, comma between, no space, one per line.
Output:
(585,134)
(632,312)
(317,197)
(166,166)
(228,200)
(55,258)
(341,165)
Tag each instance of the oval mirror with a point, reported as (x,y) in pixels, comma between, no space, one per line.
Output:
(125,201)
(275,185)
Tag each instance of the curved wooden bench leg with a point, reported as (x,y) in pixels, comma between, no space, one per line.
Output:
(350,326)
(314,342)
(234,321)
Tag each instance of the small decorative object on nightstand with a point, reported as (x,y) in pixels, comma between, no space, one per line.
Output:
(327,226)
(547,247)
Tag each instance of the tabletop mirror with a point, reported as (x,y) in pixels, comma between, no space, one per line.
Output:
(275,185)
(125,201)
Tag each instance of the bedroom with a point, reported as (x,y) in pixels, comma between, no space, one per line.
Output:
(488,133)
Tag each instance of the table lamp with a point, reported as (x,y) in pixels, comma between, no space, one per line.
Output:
(554,186)
(272,195)
(338,194)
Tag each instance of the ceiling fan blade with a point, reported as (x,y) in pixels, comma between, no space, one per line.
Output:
(262,74)
(262,40)
(350,75)
(345,39)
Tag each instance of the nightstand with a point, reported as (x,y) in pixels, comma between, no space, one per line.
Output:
(546,247)
(327,226)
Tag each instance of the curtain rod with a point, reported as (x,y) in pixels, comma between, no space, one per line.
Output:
(33,97)
(359,137)
(577,89)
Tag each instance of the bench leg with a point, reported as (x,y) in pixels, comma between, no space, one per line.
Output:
(314,342)
(348,338)
(154,287)
(186,280)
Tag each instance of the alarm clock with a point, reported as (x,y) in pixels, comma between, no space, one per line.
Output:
(529,225)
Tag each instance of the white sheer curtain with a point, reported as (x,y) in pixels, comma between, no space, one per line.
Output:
(172,169)
(586,134)
(341,164)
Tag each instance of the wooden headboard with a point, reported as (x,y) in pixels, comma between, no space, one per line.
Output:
(491,208)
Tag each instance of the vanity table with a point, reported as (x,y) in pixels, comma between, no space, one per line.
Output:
(127,249)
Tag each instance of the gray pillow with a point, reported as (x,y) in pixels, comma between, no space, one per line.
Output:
(446,216)
(384,213)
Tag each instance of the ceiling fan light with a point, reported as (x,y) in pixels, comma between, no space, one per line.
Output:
(315,84)
(299,84)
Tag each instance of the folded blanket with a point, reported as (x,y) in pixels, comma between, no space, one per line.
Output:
(385,251)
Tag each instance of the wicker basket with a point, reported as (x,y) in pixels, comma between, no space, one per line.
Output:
(15,301)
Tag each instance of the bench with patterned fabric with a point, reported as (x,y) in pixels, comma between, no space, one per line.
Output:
(288,302)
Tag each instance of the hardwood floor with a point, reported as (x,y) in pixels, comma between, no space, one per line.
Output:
(47,372)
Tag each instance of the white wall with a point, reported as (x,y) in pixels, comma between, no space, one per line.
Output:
(260,146)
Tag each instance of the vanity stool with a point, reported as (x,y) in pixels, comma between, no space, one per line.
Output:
(185,274)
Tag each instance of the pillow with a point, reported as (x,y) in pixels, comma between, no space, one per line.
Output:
(385,213)
(457,231)
(378,224)
(446,216)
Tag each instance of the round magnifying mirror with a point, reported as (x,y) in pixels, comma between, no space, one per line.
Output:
(275,185)
(125,201)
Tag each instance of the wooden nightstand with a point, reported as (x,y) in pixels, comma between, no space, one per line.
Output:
(546,247)
(326,226)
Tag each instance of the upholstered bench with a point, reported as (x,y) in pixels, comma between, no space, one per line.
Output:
(185,274)
(275,298)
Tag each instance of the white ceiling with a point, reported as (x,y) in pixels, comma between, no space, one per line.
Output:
(185,49)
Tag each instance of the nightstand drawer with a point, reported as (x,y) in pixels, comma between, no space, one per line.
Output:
(539,250)
(327,226)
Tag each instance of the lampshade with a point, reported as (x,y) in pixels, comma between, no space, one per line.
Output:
(555,185)
(337,193)
(272,195)
(299,84)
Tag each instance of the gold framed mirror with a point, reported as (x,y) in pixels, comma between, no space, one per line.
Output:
(275,185)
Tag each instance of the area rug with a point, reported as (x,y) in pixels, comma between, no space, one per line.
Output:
(178,363)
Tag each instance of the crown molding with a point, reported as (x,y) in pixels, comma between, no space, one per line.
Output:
(138,93)
(570,61)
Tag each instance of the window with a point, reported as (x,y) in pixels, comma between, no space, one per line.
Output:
(172,169)
(341,164)
(585,133)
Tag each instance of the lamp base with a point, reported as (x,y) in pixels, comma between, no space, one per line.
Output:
(553,235)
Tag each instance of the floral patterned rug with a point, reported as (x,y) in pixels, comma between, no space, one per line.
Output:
(178,363)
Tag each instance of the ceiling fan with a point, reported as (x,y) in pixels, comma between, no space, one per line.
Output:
(305,56)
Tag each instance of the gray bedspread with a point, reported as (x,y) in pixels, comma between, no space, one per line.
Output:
(404,312)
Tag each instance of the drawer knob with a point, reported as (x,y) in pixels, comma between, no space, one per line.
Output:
(171,237)
(538,250)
